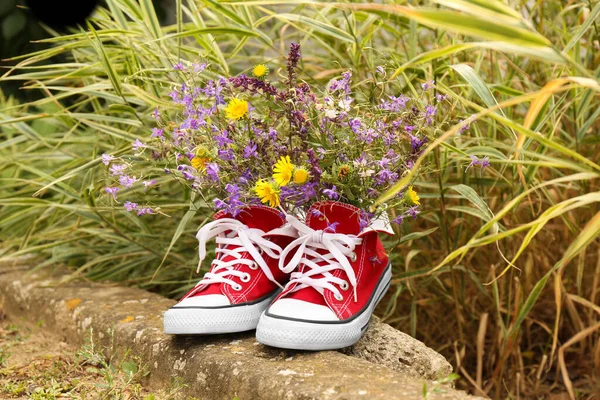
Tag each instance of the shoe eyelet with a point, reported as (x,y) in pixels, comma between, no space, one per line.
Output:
(245,278)
(353,257)
(254,266)
(237,288)
(344,286)
(338,297)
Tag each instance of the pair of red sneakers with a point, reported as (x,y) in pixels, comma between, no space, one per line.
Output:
(334,270)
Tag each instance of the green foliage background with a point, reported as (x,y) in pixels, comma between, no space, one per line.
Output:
(507,287)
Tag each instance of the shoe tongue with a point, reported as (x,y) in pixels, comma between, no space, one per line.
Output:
(338,217)
(259,217)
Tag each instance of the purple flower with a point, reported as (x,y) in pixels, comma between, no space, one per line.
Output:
(331,227)
(413,211)
(380,70)
(107,158)
(113,191)
(331,193)
(226,155)
(428,84)
(395,104)
(316,213)
(129,206)
(355,125)
(385,176)
(464,128)
(117,169)
(144,211)
(138,144)
(158,132)
(409,128)
(232,189)
(199,67)
(219,204)
(416,143)
(149,183)
(212,171)
(245,177)
(374,260)
(483,163)
(178,66)
(384,162)
(430,111)
(127,181)
(250,150)
(292,63)
(441,97)
(343,84)
(223,139)
(399,219)
(273,134)
(364,220)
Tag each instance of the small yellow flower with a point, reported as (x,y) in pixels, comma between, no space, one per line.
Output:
(236,109)
(283,171)
(199,163)
(300,175)
(267,192)
(412,196)
(260,71)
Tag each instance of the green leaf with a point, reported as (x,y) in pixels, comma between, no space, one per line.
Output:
(478,85)
(129,368)
(416,235)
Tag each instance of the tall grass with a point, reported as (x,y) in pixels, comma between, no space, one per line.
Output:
(507,287)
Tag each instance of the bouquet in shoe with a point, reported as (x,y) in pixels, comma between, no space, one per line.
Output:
(294,171)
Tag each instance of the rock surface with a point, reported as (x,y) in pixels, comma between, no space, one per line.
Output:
(387,346)
(384,364)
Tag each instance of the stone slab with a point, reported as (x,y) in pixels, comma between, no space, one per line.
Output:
(386,364)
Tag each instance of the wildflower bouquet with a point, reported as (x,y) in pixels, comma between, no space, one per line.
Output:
(245,140)
(294,172)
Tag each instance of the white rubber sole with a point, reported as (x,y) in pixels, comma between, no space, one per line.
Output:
(214,320)
(319,335)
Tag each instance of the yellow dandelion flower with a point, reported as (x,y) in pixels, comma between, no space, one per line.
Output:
(283,171)
(236,109)
(267,192)
(300,175)
(260,71)
(199,163)
(412,196)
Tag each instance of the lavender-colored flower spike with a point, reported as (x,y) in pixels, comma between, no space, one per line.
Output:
(137,145)
(292,63)
(107,158)
(117,169)
(127,181)
(129,206)
(112,191)
(144,211)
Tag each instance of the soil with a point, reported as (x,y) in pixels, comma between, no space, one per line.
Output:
(36,364)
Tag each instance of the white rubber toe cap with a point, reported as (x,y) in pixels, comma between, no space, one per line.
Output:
(294,308)
(207,300)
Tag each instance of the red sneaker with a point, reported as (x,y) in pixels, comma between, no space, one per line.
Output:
(342,271)
(244,277)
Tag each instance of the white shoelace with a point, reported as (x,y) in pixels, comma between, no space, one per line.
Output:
(247,240)
(338,249)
